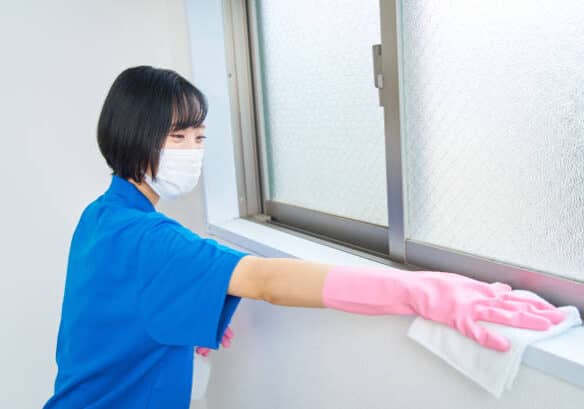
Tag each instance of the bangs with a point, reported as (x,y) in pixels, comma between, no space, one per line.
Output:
(189,109)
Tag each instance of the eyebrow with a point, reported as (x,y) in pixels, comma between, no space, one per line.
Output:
(179,130)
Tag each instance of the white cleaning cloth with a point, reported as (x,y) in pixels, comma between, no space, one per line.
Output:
(201,375)
(492,370)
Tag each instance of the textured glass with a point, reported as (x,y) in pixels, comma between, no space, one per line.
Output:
(324,125)
(493,118)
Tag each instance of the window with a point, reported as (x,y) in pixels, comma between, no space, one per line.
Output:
(474,161)
(324,127)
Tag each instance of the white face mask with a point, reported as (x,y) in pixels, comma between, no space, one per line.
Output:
(178,172)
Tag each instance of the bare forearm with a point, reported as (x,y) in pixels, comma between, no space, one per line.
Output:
(281,281)
(294,282)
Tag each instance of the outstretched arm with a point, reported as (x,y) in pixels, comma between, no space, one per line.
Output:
(451,299)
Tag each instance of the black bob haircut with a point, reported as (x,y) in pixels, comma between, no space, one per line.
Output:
(143,105)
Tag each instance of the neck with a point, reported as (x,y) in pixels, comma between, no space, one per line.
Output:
(146,191)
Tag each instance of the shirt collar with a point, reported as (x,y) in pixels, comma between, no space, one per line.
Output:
(122,190)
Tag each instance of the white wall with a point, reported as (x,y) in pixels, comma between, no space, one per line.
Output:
(292,358)
(58,59)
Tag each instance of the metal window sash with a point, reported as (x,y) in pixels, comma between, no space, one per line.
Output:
(353,233)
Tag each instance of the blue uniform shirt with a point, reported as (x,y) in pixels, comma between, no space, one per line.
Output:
(141,292)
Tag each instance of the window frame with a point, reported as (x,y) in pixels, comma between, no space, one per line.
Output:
(249,129)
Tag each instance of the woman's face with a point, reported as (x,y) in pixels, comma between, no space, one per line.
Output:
(188,138)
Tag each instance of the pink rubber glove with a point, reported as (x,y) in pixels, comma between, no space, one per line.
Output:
(448,298)
(225,342)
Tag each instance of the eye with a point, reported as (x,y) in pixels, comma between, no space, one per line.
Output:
(200,138)
(178,136)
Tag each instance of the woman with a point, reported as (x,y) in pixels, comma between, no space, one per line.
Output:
(142,291)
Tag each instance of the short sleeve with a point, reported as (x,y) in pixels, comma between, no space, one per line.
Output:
(182,285)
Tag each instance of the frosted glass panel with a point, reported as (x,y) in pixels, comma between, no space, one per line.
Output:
(493,118)
(324,125)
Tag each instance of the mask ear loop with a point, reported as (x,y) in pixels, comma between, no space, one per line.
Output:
(145,174)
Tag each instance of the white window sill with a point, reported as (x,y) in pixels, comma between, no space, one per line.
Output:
(561,357)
